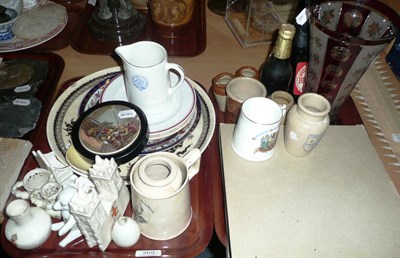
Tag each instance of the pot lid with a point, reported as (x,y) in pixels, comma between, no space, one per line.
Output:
(115,129)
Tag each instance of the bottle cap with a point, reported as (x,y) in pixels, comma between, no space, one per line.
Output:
(287,31)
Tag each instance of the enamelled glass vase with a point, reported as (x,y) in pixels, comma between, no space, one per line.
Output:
(306,124)
(345,38)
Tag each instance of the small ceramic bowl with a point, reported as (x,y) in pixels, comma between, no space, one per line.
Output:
(114,129)
(6,33)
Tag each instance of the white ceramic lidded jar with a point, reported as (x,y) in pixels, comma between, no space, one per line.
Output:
(306,124)
(28,227)
(161,193)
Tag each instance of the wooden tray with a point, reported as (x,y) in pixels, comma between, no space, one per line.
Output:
(65,37)
(189,244)
(48,88)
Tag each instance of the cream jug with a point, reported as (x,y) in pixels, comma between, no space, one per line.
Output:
(147,76)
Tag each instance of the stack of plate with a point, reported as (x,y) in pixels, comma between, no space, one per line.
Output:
(170,121)
(189,123)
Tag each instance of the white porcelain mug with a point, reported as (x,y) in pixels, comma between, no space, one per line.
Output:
(147,79)
(161,194)
(256,131)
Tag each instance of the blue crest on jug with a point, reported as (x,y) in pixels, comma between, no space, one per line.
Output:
(140,82)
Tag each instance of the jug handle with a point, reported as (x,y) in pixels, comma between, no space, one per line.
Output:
(178,69)
(192,161)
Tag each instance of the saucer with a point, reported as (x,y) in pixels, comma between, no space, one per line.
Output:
(36,26)
(168,122)
(40,21)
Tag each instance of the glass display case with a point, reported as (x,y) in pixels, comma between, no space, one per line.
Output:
(255,22)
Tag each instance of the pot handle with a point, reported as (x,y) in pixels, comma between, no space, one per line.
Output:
(18,193)
(192,161)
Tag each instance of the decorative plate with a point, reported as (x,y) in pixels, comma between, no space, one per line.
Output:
(86,93)
(36,26)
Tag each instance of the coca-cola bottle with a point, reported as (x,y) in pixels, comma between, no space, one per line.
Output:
(300,50)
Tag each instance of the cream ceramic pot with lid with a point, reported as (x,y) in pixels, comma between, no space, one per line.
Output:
(161,194)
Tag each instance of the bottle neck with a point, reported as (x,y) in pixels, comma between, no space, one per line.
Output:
(283,48)
(18,211)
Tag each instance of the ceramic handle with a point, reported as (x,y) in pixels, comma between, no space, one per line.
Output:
(284,108)
(18,193)
(192,161)
(181,73)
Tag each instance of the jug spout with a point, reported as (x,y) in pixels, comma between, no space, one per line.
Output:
(122,52)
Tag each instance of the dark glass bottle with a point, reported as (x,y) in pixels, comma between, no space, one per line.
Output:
(300,51)
(276,71)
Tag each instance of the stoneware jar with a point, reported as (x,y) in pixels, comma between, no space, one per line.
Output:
(125,232)
(161,194)
(219,83)
(247,71)
(28,227)
(283,97)
(306,124)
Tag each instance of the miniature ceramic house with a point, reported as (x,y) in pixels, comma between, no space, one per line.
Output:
(93,220)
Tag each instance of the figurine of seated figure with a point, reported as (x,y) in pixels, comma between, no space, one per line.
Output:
(62,204)
(68,224)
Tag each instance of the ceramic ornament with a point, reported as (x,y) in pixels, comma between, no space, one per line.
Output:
(68,224)
(125,232)
(62,174)
(28,227)
(33,180)
(92,218)
(113,192)
(47,161)
(62,204)
(39,201)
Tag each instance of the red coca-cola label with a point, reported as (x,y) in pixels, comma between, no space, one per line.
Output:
(300,78)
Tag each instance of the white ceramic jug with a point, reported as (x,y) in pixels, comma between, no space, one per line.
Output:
(147,76)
